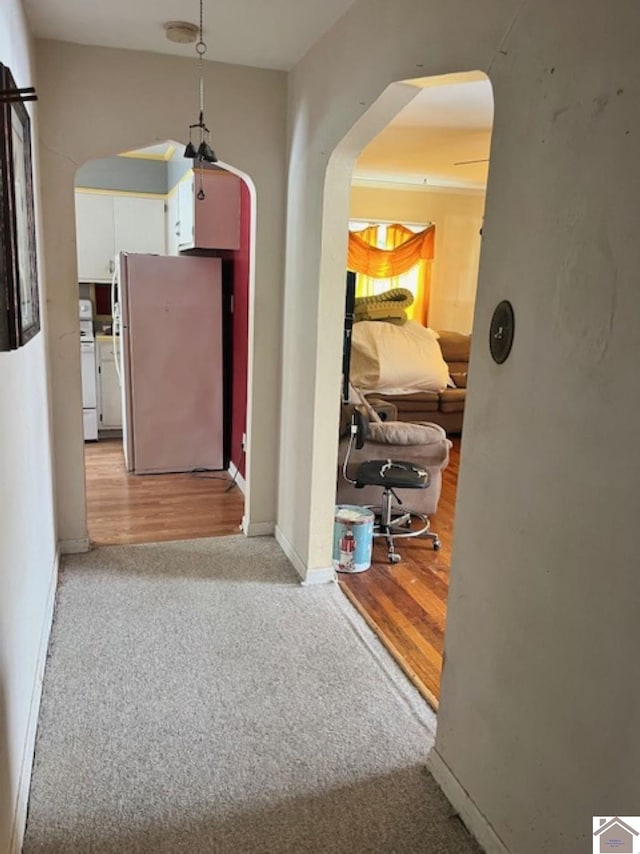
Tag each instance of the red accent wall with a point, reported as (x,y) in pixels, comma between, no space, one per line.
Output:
(240,326)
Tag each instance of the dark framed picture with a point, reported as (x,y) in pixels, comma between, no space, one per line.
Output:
(20,319)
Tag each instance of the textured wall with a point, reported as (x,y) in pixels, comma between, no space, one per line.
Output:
(27,524)
(90,110)
(132,174)
(542,626)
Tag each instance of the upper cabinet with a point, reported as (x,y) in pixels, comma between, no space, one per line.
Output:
(186,223)
(211,222)
(171,222)
(107,224)
(95,236)
(139,224)
(111,222)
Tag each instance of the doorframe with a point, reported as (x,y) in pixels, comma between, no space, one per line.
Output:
(249,528)
(334,233)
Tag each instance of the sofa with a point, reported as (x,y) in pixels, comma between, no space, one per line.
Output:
(445,408)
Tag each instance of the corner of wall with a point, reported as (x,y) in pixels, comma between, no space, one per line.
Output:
(308,577)
(475,822)
(74,546)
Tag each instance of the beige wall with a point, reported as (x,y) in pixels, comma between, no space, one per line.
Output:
(544,584)
(27,525)
(96,102)
(457,216)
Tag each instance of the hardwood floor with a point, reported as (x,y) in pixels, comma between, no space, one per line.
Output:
(124,508)
(406,603)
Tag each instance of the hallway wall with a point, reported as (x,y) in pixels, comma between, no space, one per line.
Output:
(97,101)
(27,537)
(542,627)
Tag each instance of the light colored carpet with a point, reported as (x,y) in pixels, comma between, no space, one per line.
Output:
(198,699)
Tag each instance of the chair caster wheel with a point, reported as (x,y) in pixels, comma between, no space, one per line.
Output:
(436,545)
(394,558)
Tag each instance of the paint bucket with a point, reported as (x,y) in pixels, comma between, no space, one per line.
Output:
(352,538)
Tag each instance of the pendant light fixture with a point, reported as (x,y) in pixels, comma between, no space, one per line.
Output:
(204,151)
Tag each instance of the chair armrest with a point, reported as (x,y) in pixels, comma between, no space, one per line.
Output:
(384,409)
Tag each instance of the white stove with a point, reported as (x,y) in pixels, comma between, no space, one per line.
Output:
(88,365)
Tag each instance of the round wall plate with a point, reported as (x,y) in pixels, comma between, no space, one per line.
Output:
(501,331)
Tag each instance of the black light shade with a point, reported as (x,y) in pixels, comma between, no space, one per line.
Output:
(190,151)
(205,152)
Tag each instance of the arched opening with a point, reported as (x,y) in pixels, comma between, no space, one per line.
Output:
(166,251)
(420,165)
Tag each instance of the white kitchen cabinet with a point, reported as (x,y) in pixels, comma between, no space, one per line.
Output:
(214,221)
(95,235)
(185,226)
(139,224)
(172,218)
(107,223)
(109,394)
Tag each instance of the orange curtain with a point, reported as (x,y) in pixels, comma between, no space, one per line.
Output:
(384,263)
(418,278)
(367,286)
(405,263)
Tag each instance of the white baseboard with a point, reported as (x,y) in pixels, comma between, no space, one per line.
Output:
(24,781)
(235,475)
(291,553)
(257,529)
(307,576)
(474,820)
(74,547)
(320,575)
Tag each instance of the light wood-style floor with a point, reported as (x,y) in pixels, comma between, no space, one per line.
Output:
(125,508)
(405,604)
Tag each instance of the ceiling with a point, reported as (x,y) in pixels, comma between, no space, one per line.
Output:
(274,34)
(431,141)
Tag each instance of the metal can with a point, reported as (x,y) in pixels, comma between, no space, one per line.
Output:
(352,538)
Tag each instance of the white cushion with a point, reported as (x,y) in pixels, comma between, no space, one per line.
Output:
(396,359)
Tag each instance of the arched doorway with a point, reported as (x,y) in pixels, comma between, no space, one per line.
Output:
(425,172)
(141,191)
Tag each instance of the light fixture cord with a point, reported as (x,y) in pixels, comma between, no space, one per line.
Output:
(201,49)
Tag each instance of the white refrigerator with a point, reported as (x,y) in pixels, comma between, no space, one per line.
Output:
(169,311)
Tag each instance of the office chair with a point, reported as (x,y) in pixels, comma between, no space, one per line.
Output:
(392,519)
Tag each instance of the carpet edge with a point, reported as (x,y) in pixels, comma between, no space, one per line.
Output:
(393,673)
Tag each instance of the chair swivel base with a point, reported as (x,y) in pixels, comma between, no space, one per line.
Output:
(393,522)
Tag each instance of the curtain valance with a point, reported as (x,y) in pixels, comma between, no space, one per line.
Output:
(386,263)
